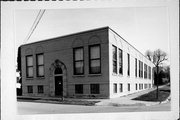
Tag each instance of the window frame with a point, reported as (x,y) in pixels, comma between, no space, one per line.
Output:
(128,67)
(114,60)
(79,91)
(93,91)
(39,92)
(29,90)
(120,87)
(27,75)
(90,59)
(115,88)
(74,61)
(129,87)
(135,67)
(120,62)
(37,65)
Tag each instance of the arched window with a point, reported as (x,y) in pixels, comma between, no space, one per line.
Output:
(58,71)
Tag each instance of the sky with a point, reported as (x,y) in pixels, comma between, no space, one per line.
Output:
(146,28)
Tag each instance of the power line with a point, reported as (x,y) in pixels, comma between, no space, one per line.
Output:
(35,23)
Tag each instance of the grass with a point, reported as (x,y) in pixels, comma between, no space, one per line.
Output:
(151,96)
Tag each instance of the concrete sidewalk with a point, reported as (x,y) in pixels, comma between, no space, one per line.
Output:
(120,101)
(127,100)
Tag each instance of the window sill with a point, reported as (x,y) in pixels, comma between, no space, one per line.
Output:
(29,78)
(78,75)
(41,77)
(94,75)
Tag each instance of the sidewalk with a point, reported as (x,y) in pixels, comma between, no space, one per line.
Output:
(127,100)
(120,101)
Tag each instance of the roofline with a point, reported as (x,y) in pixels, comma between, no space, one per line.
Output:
(130,44)
(91,30)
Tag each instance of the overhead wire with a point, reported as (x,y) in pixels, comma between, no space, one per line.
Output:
(34,25)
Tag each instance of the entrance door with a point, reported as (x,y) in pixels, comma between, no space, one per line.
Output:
(58,86)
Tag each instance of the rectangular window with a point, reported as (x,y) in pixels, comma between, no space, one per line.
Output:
(136,86)
(95,59)
(114,59)
(145,71)
(29,66)
(40,89)
(139,86)
(120,61)
(128,71)
(79,89)
(94,88)
(40,65)
(129,86)
(121,87)
(139,68)
(149,72)
(136,67)
(30,89)
(78,61)
(115,88)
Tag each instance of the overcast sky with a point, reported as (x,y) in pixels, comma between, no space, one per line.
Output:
(144,27)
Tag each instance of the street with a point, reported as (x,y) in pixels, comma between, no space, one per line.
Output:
(48,108)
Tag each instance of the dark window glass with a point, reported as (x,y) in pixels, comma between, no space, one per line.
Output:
(139,68)
(78,54)
(139,86)
(40,89)
(115,87)
(30,89)
(129,87)
(79,89)
(94,88)
(120,61)
(145,71)
(128,70)
(121,87)
(136,67)
(29,66)
(94,59)
(136,86)
(149,72)
(40,65)
(114,50)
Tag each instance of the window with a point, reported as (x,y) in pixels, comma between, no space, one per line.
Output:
(95,59)
(145,71)
(40,89)
(139,86)
(128,71)
(94,88)
(79,89)
(30,89)
(142,86)
(149,72)
(40,65)
(140,69)
(136,86)
(120,61)
(114,59)
(115,88)
(136,67)
(128,87)
(121,87)
(78,61)
(29,66)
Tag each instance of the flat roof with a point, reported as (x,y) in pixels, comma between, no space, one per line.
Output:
(86,31)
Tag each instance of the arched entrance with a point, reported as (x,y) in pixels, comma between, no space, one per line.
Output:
(58,79)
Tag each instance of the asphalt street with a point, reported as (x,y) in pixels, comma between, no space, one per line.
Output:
(49,108)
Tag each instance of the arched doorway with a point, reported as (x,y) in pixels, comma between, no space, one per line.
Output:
(58,77)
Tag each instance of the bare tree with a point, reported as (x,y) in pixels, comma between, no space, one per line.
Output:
(157,57)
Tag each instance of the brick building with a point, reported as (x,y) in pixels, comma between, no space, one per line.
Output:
(95,63)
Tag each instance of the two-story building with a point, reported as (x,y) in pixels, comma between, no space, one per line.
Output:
(94,63)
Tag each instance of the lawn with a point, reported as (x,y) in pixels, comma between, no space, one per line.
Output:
(151,96)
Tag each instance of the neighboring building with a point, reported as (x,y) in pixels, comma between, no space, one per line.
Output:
(95,63)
